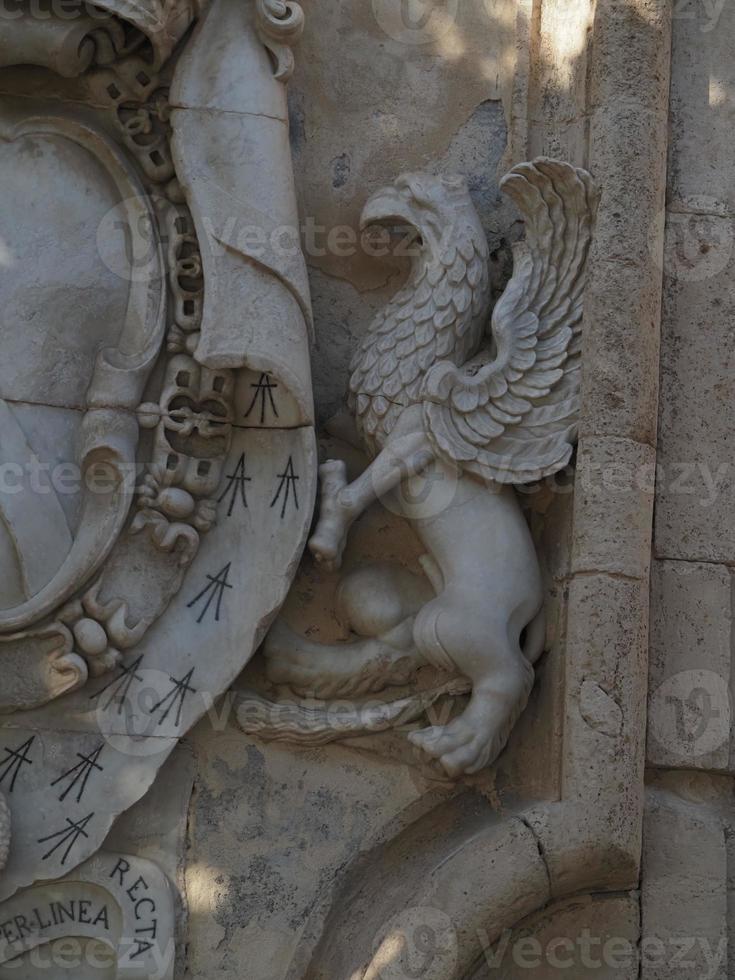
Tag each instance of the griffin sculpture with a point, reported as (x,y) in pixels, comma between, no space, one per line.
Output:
(439,393)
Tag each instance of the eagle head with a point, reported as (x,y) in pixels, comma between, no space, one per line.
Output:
(439,208)
(440,312)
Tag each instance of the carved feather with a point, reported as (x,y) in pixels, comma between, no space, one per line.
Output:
(513,418)
(439,315)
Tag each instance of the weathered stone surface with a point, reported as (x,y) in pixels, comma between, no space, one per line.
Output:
(258,880)
(591,936)
(128,353)
(624,296)
(360,860)
(612,507)
(606,647)
(690,714)
(684,896)
(694,515)
(701,110)
(694,505)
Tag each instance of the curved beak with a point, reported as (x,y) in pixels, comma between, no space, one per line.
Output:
(386,206)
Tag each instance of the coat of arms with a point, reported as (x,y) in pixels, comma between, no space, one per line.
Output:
(156,439)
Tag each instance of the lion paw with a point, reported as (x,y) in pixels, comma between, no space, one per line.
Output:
(462,747)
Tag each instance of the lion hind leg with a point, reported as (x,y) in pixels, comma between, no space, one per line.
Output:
(477,644)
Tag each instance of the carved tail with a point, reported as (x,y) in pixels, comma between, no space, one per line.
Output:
(296,721)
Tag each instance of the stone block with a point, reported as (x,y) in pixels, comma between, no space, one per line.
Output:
(684,893)
(702,115)
(613,507)
(695,498)
(606,657)
(689,718)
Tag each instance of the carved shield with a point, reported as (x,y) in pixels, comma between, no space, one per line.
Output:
(77,346)
(157,461)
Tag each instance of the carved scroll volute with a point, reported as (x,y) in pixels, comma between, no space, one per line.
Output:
(280,25)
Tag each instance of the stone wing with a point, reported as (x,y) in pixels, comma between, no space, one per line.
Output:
(510,414)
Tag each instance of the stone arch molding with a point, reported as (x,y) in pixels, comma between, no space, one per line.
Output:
(168,372)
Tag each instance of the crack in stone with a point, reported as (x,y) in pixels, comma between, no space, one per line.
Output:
(541,850)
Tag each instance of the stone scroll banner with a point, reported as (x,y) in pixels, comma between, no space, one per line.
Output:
(123,903)
(143,336)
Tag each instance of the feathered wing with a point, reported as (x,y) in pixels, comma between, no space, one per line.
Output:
(510,414)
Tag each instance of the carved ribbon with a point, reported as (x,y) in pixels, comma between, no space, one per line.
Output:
(68,47)
(97,36)
(257,307)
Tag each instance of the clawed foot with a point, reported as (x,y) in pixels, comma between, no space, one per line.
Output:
(466,745)
(329,539)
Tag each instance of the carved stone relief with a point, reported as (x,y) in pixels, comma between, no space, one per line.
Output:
(118,900)
(247,732)
(156,416)
(452,410)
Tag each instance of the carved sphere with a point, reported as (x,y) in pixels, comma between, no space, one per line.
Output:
(4,832)
(176,503)
(91,637)
(377,597)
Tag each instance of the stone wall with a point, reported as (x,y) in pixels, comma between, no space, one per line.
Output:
(687,870)
(598,842)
